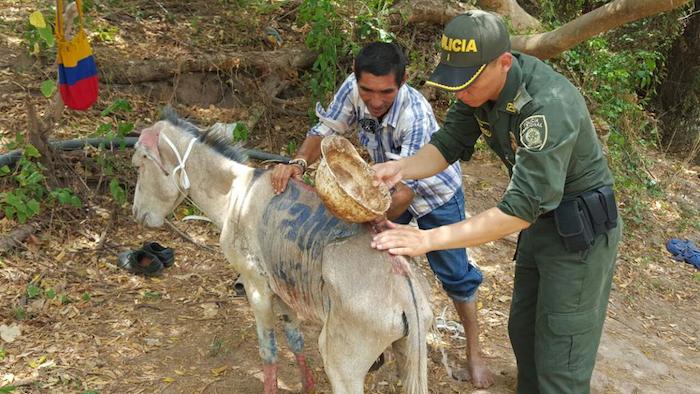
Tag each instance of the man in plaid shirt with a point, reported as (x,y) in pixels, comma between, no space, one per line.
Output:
(393,120)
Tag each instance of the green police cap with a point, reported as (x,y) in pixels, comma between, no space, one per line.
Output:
(470,41)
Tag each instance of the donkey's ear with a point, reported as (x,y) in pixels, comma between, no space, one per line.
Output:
(149,141)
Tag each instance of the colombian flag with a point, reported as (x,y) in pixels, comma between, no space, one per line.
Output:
(77,72)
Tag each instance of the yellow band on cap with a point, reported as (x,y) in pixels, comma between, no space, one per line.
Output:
(456,88)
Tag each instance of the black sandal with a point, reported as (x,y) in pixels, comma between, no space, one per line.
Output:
(140,262)
(164,254)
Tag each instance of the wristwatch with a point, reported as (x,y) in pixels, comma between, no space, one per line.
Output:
(300,162)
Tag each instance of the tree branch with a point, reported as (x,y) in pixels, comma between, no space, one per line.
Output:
(604,18)
(282,61)
(521,20)
(427,11)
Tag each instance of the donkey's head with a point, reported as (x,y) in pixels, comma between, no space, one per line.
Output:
(158,188)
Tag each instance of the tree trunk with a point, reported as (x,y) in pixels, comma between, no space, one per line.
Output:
(441,11)
(521,20)
(436,12)
(604,18)
(678,97)
(283,61)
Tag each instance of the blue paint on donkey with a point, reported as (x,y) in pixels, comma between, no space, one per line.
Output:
(290,253)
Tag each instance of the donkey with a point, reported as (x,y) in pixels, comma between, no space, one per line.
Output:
(289,251)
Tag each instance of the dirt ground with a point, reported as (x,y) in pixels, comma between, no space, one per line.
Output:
(95,328)
(187,332)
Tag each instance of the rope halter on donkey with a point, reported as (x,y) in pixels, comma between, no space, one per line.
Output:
(181,164)
(182,160)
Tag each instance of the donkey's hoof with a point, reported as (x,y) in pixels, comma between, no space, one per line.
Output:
(140,262)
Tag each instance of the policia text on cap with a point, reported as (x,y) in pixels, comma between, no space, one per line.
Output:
(560,197)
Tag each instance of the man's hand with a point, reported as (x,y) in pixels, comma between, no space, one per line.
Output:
(388,172)
(401,199)
(402,240)
(282,173)
(381,223)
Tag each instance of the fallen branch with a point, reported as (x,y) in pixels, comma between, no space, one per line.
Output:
(283,62)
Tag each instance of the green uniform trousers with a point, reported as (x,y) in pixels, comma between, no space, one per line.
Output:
(559,304)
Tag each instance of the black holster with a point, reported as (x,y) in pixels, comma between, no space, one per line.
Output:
(580,219)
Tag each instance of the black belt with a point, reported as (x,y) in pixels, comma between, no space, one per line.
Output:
(580,219)
(547,215)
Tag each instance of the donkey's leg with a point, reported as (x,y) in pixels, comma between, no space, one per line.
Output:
(295,340)
(261,298)
(348,352)
(400,349)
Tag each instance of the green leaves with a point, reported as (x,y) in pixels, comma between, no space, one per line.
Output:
(48,88)
(17,205)
(33,291)
(372,23)
(326,37)
(240,132)
(47,35)
(152,295)
(21,203)
(291,148)
(117,191)
(24,201)
(114,129)
(31,151)
(617,81)
(20,313)
(36,19)
(117,106)
(66,197)
(39,35)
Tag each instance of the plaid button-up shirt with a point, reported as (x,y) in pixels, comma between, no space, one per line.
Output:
(402,132)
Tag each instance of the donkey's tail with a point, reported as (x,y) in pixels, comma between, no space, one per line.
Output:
(416,373)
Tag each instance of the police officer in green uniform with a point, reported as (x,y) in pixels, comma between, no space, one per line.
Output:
(560,197)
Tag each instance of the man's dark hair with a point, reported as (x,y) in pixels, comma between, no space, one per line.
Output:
(381,58)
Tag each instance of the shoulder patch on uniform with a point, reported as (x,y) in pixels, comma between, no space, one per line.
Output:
(533,132)
(484,127)
(521,98)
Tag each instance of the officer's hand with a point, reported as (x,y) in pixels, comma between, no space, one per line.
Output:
(282,173)
(402,240)
(388,172)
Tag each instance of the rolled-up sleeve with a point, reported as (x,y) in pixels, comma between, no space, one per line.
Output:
(457,137)
(539,173)
(340,115)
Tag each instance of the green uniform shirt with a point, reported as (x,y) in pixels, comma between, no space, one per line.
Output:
(542,131)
